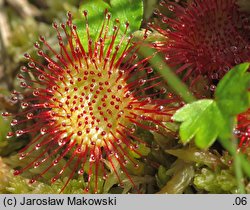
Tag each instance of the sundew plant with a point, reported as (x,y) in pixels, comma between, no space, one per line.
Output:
(125,96)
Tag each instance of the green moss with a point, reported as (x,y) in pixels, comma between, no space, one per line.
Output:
(221,181)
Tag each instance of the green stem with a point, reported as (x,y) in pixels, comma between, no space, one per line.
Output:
(237,161)
(238,169)
(173,81)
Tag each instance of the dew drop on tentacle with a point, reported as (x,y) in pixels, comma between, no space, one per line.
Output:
(81,172)
(212,88)
(13,122)
(105,177)
(53,180)
(141,82)
(20,76)
(23,84)
(19,133)
(6,114)
(36,92)
(24,69)
(24,105)
(37,146)
(32,181)
(37,164)
(41,77)
(27,55)
(156,11)
(43,131)
(55,162)
(9,135)
(16,172)
(22,156)
(29,115)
